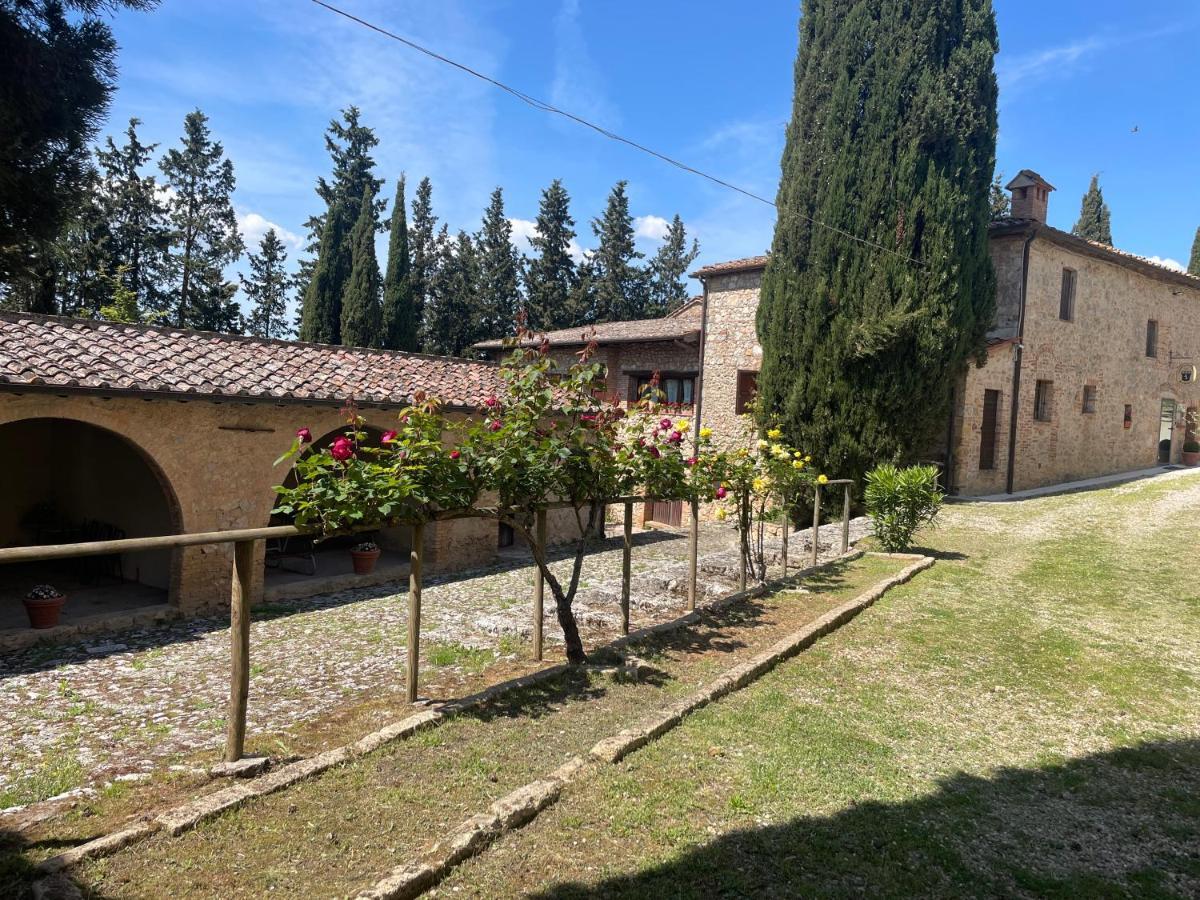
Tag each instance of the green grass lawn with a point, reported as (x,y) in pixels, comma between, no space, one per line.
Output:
(1021,720)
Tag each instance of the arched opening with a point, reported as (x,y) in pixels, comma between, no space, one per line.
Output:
(300,567)
(69,481)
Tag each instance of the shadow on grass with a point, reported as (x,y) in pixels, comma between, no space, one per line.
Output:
(952,555)
(1119,824)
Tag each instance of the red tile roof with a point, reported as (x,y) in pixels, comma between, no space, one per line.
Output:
(81,354)
(747,264)
(683,324)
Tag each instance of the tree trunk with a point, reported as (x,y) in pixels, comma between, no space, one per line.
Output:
(566,620)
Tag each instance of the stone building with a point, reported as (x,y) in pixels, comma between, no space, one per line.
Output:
(111,430)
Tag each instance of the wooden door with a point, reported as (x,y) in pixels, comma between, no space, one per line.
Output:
(665,512)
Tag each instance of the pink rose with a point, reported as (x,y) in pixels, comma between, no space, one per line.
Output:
(490,401)
(387,437)
(654,451)
(665,424)
(690,461)
(495,425)
(675,437)
(454,454)
(721,492)
(304,435)
(342,449)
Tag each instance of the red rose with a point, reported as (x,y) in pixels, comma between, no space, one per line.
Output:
(495,425)
(690,461)
(490,401)
(454,454)
(387,437)
(675,437)
(665,424)
(721,492)
(304,435)
(654,451)
(342,449)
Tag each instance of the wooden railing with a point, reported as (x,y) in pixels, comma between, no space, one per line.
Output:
(245,541)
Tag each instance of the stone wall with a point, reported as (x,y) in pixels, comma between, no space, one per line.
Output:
(626,361)
(730,342)
(1102,347)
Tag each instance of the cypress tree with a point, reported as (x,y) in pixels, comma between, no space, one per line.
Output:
(399,315)
(1094,222)
(1194,262)
(205,237)
(621,283)
(668,268)
(452,315)
(999,199)
(321,311)
(84,256)
(550,273)
(267,289)
(892,140)
(425,245)
(499,271)
(362,314)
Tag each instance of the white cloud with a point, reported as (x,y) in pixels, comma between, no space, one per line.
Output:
(1060,60)
(1168,263)
(652,228)
(578,84)
(254,228)
(524,229)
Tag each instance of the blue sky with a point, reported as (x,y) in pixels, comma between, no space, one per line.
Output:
(706,81)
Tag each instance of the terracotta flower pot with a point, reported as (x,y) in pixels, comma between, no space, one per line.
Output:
(364,561)
(1190,458)
(44,613)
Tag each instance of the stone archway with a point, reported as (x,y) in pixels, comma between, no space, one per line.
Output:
(71,481)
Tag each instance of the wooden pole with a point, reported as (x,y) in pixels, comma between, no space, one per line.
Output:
(239,647)
(846,520)
(693,552)
(787,526)
(539,587)
(816,521)
(414,608)
(626,558)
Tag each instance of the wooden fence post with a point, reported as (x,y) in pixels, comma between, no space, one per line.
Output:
(239,646)
(816,521)
(626,556)
(539,587)
(414,608)
(693,552)
(846,520)
(787,526)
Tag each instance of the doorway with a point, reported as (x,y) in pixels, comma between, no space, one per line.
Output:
(1166,429)
(665,512)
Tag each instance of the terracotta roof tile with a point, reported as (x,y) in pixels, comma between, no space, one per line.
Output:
(746,264)
(682,324)
(104,356)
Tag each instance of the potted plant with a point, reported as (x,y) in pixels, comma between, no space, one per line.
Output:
(43,604)
(1191,453)
(365,554)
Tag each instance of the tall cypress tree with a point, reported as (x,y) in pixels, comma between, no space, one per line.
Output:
(362,314)
(621,283)
(1194,262)
(425,246)
(399,315)
(205,236)
(892,140)
(452,316)
(668,268)
(1094,221)
(499,270)
(321,310)
(267,289)
(550,273)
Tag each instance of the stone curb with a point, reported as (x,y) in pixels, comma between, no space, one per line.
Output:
(179,819)
(524,804)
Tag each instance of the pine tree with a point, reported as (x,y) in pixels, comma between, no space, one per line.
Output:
(267,289)
(321,309)
(892,141)
(998,199)
(499,271)
(205,237)
(135,216)
(621,284)
(452,316)
(362,312)
(668,268)
(550,274)
(1094,222)
(399,316)
(122,306)
(83,255)
(425,247)
(1194,262)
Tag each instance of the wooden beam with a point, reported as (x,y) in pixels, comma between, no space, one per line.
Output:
(846,519)
(414,609)
(816,521)
(693,552)
(239,649)
(626,564)
(539,587)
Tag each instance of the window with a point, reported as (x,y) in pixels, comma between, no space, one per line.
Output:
(1066,301)
(1152,338)
(1041,400)
(1128,415)
(987,436)
(680,389)
(1089,398)
(747,389)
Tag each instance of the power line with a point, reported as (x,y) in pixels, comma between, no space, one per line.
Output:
(549,108)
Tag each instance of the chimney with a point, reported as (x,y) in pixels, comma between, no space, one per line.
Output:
(1030,195)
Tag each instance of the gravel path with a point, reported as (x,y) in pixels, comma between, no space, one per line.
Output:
(125,704)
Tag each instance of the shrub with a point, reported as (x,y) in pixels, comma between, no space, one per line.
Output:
(1191,446)
(900,501)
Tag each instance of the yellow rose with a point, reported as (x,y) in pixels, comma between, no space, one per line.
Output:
(798,455)
(821,479)
(759,485)
(705,432)
(774,434)
(808,459)
(721,514)
(797,464)
(762,445)
(681,426)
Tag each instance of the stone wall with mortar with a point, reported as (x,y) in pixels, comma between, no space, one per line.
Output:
(625,362)
(730,342)
(1103,347)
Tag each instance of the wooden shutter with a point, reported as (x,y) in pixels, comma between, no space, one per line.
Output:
(987,437)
